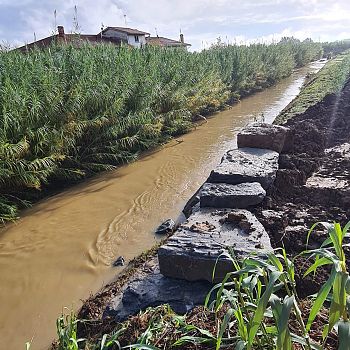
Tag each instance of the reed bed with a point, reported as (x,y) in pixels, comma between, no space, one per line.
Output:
(68,113)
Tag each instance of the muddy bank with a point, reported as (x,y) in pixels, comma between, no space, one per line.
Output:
(312,183)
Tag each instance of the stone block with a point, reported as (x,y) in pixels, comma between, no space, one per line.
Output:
(221,195)
(205,240)
(246,165)
(262,135)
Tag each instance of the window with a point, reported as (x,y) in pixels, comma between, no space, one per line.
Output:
(136,38)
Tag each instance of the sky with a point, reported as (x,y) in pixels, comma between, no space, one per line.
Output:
(201,22)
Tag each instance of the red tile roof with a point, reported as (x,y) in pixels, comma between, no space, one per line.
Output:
(161,41)
(126,30)
(74,39)
(78,40)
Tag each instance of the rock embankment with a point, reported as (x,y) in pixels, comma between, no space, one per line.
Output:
(220,225)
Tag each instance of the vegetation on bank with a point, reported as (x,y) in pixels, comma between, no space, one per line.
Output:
(329,80)
(68,113)
(255,307)
(335,47)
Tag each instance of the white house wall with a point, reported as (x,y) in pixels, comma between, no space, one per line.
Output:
(141,43)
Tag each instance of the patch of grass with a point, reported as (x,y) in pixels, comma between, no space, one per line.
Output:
(329,80)
(66,326)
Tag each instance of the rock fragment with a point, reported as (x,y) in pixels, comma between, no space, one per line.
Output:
(166,227)
(119,262)
(155,289)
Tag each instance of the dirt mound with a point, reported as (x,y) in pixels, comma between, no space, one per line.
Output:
(313,181)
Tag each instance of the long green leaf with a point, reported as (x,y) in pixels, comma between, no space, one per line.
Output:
(141,347)
(259,313)
(223,327)
(284,341)
(338,303)
(319,262)
(241,324)
(301,340)
(344,335)
(320,299)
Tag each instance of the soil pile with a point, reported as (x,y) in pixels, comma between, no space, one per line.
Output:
(312,182)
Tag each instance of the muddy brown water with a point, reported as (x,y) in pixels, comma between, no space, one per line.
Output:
(61,250)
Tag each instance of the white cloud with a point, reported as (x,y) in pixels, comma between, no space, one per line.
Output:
(202,21)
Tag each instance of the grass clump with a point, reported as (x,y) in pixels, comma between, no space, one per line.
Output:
(66,326)
(255,307)
(329,80)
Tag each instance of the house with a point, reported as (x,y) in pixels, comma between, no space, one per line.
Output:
(165,42)
(133,37)
(113,35)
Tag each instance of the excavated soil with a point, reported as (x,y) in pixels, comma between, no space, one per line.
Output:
(312,183)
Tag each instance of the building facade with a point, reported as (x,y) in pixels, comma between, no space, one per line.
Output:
(133,37)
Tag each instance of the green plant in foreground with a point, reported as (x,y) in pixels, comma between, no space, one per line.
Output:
(260,317)
(66,326)
(337,286)
(256,313)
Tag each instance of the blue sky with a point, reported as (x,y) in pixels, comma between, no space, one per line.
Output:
(200,21)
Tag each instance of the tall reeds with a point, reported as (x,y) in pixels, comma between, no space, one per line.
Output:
(66,113)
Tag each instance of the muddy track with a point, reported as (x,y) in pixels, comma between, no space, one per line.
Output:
(312,183)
